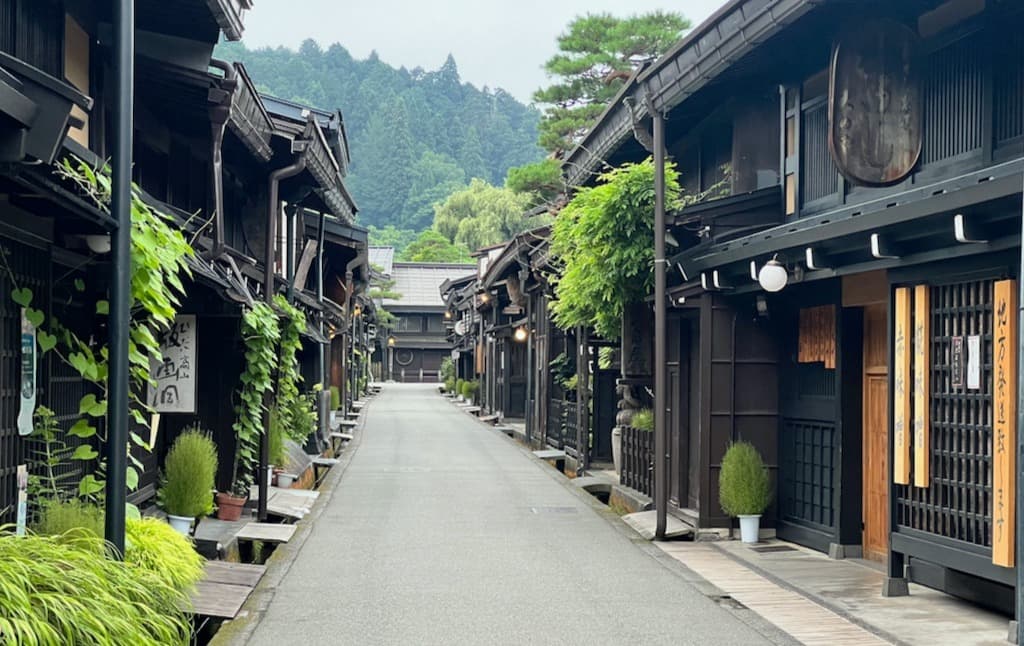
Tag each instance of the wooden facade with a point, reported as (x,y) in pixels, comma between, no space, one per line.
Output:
(205,145)
(874,384)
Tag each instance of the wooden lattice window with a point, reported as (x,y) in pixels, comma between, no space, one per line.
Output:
(957,504)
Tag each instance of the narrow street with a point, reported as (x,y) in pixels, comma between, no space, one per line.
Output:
(442,531)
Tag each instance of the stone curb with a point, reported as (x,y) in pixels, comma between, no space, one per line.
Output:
(240,630)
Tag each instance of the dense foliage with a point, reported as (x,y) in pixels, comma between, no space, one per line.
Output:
(415,135)
(597,55)
(293,409)
(483,215)
(431,246)
(261,335)
(643,420)
(743,484)
(604,238)
(187,481)
(157,549)
(58,590)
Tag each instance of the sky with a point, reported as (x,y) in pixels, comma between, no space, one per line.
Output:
(497,43)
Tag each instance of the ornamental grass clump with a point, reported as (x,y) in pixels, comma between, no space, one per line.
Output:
(60,590)
(156,548)
(186,486)
(744,488)
(643,420)
(55,517)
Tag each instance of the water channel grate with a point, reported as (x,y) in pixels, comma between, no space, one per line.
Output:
(768,549)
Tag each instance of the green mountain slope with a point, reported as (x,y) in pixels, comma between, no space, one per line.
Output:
(416,136)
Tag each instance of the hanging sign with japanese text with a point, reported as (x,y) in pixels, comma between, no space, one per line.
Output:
(174,387)
(1004,427)
(28,375)
(922,385)
(901,394)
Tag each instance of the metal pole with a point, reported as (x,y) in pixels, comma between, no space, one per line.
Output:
(660,376)
(321,364)
(1020,450)
(531,329)
(120,284)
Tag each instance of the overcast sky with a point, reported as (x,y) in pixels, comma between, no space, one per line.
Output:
(498,43)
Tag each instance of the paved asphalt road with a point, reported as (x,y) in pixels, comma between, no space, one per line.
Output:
(445,532)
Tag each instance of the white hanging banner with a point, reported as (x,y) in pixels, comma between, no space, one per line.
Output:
(174,390)
(22,499)
(28,376)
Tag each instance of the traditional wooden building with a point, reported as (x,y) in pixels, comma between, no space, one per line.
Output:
(872,155)
(206,152)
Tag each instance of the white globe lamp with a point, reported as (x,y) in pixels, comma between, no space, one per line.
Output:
(773,276)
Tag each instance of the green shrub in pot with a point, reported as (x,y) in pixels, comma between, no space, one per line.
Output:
(643,420)
(187,481)
(744,488)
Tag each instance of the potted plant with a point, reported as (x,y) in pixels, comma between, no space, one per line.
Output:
(460,385)
(643,420)
(188,479)
(744,489)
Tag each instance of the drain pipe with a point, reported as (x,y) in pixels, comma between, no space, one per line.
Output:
(273,211)
(347,337)
(660,345)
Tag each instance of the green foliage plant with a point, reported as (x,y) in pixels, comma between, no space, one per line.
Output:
(744,487)
(469,389)
(604,238)
(291,405)
(55,517)
(541,180)
(335,398)
(155,547)
(276,435)
(447,369)
(261,335)
(563,368)
(431,246)
(49,481)
(643,420)
(159,261)
(460,385)
(483,215)
(187,482)
(597,53)
(60,590)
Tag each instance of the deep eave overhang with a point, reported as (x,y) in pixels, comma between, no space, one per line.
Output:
(728,35)
(228,18)
(948,196)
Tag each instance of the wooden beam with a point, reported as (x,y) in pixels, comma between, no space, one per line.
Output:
(815,259)
(881,249)
(1004,427)
(901,394)
(922,385)
(966,232)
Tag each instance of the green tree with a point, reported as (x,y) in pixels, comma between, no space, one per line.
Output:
(431,246)
(597,54)
(541,180)
(433,178)
(604,238)
(391,236)
(483,215)
(385,169)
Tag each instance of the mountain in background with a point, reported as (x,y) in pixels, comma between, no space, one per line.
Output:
(415,136)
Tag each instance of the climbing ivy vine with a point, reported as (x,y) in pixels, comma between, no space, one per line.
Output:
(291,406)
(261,335)
(159,253)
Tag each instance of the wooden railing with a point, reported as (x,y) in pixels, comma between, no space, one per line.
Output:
(638,460)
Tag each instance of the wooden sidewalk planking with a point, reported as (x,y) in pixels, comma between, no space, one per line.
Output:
(266,532)
(234,573)
(225,588)
(798,616)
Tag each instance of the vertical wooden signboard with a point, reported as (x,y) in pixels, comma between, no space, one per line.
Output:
(1004,430)
(922,385)
(901,394)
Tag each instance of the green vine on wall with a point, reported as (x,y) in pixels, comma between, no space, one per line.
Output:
(292,407)
(261,335)
(159,253)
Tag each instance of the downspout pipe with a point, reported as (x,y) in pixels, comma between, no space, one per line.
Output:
(660,341)
(348,334)
(273,211)
(120,284)
(321,360)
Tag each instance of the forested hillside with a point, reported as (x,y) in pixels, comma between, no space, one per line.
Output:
(416,136)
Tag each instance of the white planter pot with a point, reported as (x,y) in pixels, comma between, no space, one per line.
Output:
(181,524)
(750,526)
(285,480)
(617,449)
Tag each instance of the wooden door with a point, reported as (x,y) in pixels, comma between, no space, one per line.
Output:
(876,433)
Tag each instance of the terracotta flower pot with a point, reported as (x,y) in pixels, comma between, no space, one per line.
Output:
(229,507)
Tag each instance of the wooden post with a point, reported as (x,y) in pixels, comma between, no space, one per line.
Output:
(901,389)
(1004,431)
(922,385)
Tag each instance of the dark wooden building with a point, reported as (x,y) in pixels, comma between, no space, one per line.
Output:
(875,152)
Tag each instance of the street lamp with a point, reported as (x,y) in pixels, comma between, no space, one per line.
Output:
(773,276)
(391,358)
(520,334)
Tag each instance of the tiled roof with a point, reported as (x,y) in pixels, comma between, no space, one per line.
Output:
(419,282)
(383,257)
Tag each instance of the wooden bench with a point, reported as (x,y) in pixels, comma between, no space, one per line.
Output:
(323,465)
(224,588)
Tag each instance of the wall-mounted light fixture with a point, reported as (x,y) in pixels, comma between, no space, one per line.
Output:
(391,341)
(99,243)
(520,334)
(485,297)
(448,314)
(356,311)
(773,276)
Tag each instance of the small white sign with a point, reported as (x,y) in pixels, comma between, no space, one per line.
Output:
(27,406)
(974,362)
(175,376)
(22,499)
